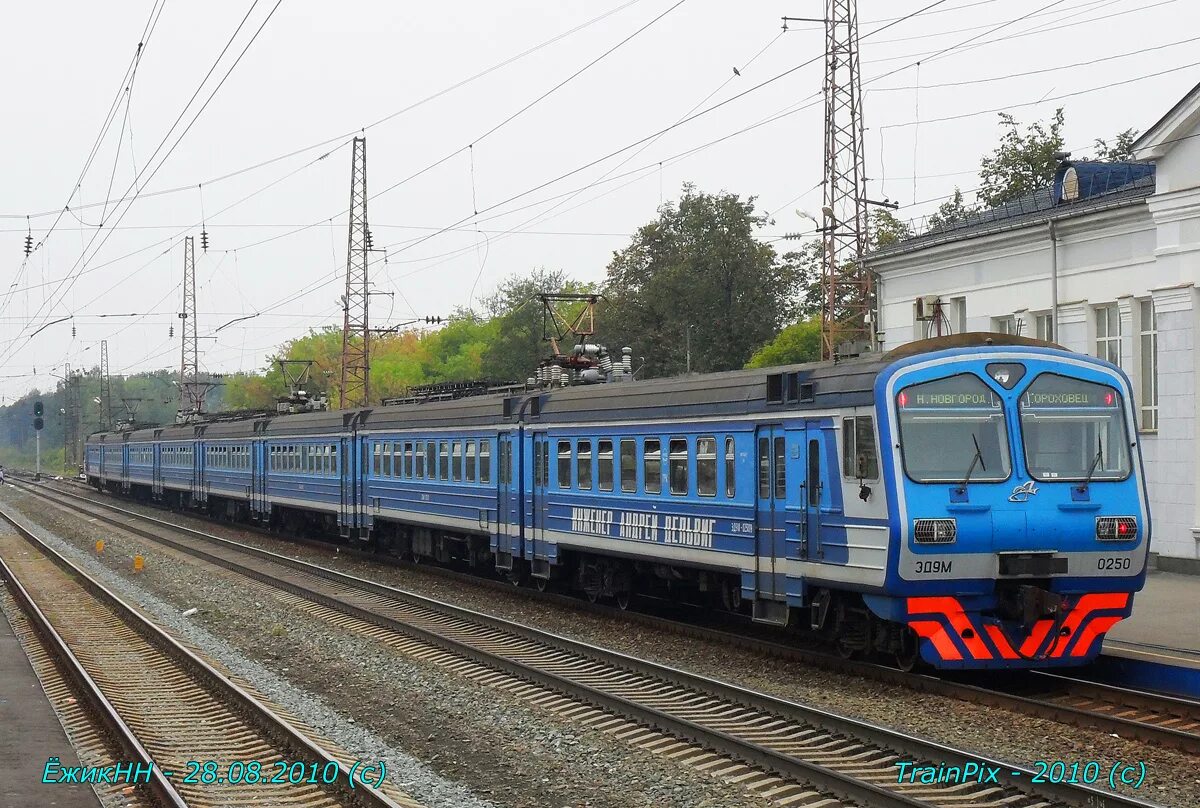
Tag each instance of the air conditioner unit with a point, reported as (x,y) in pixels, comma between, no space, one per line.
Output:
(926,307)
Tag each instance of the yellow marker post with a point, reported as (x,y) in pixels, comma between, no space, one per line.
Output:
(99,546)
(139,563)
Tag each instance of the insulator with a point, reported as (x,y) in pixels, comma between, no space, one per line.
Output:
(606,364)
(170,332)
(72,332)
(368,239)
(204,240)
(28,244)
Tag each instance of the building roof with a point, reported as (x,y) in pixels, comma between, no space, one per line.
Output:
(1079,187)
(1179,123)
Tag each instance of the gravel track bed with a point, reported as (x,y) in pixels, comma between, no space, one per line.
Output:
(1173,778)
(448,741)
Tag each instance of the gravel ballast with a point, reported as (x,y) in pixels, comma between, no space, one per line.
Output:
(454,742)
(1173,778)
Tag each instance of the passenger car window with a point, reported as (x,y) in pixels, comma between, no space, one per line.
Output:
(604,465)
(564,464)
(679,466)
(583,465)
(859,459)
(456,461)
(444,460)
(730,468)
(628,465)
(706,466)
(470,462)
(485,461)
(652,466)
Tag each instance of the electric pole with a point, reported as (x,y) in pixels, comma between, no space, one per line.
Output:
(70,420)
(356,329)
(192,390)
(105,388)
(846,287)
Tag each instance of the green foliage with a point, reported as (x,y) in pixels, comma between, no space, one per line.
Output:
(1121,149)
(517,316)
(799,342)
(699,264)
(952,211)
(1022,163)
(884,229)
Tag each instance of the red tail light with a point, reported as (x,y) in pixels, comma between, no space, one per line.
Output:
(1116,528)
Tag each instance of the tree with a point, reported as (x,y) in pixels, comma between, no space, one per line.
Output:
(517,346)
(1121,149)
(697,273)
(1022,163)
(951,212)
(884,229)
(799,342)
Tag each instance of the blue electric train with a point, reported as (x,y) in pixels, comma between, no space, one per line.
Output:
(975,501)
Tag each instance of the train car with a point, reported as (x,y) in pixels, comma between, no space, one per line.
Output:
(974,501)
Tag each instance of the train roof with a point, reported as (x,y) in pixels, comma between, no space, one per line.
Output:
(812,385)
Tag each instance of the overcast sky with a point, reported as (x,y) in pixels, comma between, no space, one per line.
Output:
(319,71)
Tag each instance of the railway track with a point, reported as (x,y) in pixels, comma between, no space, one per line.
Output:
(160,705)
(1149,717)
(791,753)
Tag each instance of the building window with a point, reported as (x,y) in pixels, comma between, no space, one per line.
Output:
(1149,348)
(1108,333)
(1044,324)
(1004,325)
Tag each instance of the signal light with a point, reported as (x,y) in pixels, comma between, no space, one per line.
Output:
(1116,528)
(1108,399)
(38,423)
(37,408)
(903,399)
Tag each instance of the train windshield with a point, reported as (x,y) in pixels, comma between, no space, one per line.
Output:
(1074,430)
(951,429)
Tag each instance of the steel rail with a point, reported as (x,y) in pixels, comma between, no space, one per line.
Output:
(1013,777)
(274,726)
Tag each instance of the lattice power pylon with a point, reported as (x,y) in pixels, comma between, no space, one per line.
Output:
(356,328)
(192,390)
(845,282)
(105,388)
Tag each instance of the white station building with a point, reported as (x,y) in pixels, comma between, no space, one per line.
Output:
(1105,262)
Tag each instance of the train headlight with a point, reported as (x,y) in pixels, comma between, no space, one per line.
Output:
(1116,528)
(935,531)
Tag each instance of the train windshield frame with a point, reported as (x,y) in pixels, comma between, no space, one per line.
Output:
(951,428)
(1074,430)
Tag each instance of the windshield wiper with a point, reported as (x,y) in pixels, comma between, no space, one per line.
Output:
(977,458)
(1095,462)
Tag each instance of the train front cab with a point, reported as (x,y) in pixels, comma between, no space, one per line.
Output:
(1020,528)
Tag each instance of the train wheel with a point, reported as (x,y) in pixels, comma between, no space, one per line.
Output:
(622,598)
(908,656)
(541,583)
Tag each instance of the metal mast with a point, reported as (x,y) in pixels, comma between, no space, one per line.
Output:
(845,283)
(356,329)
(191,391)
(70,420)
(105,388)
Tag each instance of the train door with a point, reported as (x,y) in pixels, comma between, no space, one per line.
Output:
(538,505)
(348,484)
(815,492)
(198,458)
(258,478)
(156,485)
(771,524)
(505,550)
(125,467)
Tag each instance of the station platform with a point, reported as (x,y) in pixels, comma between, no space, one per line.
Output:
(29,734)
(1165,625)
